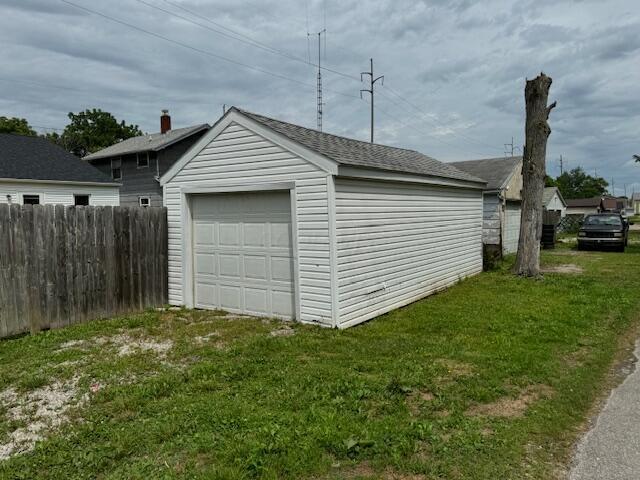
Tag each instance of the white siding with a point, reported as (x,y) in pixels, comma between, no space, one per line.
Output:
(237,155)
(511,232)
(398,243)
(556,204)
(57,193)
(491,219)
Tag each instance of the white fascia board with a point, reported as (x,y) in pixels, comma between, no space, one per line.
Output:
(389,176)
(233,116)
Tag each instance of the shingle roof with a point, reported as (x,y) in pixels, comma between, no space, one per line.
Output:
(144,143)
(584,202)
(356,153)
(548,193)
(496,171)
(36,158)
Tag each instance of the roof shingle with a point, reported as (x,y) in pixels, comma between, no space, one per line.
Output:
(356,153)
(496,171)
(145,143)
(36,158)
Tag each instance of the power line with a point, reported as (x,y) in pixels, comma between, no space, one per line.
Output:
(241,37)
(423,114)
(196,49)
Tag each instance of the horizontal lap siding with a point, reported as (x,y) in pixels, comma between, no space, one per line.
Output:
(60,194)
(491,219)
(238,155)
(398,243)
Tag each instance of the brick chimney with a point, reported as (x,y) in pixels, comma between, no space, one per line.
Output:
(165,121)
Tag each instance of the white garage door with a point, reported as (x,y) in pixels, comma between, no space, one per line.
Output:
(243,260)
(511,232)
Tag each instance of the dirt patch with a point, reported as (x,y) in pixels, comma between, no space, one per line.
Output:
(565,268)
(38,412)
(415,400)
(204,339)
(283,332)
(512,407)
(71,344)
(128,345)
(364,470)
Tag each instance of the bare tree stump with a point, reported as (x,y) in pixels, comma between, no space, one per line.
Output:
(537,131)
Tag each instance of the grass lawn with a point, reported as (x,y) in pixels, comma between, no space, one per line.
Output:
(490,379)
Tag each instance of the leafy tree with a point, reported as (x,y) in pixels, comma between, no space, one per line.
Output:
(578,184)
(19,126)
(549,181)
(637,158)
(93,130)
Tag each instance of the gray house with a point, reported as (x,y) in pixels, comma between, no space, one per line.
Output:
(501,200)
(138,163)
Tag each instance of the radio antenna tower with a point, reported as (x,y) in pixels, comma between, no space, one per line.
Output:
(319,93)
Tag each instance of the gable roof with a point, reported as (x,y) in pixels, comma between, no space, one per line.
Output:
(548,193)
(144,143)
(584,202)
(496,171)
(357,153)
(36,158)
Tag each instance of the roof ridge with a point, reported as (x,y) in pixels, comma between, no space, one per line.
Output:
(327,133)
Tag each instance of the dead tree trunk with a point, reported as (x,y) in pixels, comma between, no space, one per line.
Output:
(537,131)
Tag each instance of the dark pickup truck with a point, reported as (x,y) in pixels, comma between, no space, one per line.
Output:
(603,230)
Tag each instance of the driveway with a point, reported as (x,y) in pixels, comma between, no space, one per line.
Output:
(611,449)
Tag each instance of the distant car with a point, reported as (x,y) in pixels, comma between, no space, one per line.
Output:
(604,230)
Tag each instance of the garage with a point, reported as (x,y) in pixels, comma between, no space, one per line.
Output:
(273,219)
(243,253)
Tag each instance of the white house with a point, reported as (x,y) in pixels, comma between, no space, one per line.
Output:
(502,198)
(33,170)
(274,219)
(552,200)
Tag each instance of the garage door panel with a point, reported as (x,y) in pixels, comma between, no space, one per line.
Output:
(255,234)
(243,253)
(255,267)
(281,235)
(205,263)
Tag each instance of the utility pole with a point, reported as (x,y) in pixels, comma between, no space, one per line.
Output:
(507,147)
(372,82)
(319,91)
(613,187)
(561,165)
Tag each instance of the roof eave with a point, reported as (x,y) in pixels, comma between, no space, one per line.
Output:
(61,182)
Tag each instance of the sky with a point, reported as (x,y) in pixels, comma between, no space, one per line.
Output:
(454,70)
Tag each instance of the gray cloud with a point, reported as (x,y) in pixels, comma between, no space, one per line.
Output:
(461,64)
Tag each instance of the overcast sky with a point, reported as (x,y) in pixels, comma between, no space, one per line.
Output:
(454,69)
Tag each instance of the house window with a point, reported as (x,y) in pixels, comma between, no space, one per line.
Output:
(81,200)
(31,199)
(144,201)
(143,159)
(116,169)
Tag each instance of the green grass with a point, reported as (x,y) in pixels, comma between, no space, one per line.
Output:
(390,397)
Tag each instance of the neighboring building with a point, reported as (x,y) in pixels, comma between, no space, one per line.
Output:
(635,203)
(34,170)
(552,200)
(606,203)
(274,219)
(584,206)
(502,199)
(139,162)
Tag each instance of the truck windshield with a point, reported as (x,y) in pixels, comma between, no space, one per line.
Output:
(604,220)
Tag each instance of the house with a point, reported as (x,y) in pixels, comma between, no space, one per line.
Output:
(552,200)
(139,162)
(34,171)
(584,206)
(635,203)
(501,200)
(273,219)
(615,204)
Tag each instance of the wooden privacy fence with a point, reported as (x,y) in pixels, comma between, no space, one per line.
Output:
(65,265)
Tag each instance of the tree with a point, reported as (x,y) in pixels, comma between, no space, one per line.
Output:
(537,132)
(637,158)
(18,126)
(577,183)
(93,130)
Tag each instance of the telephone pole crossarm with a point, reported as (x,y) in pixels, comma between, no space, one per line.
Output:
(370,90)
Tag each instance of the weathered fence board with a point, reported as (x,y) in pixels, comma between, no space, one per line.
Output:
(64,265)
